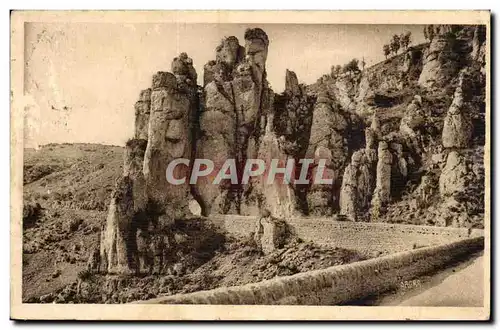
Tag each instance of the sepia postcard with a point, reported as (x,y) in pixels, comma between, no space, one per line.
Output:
(250,165)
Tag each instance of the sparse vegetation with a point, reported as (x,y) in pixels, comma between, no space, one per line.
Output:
(387,50)
(397,42)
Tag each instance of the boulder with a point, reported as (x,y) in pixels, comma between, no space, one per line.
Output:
(270,233)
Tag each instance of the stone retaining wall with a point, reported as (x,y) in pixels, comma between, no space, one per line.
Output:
(368,238)
(335,285)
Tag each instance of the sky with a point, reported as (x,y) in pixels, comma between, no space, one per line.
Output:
(81,80)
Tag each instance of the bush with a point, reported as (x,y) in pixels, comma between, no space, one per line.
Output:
(352,66)
(31,213)
(73,225)
(85,275)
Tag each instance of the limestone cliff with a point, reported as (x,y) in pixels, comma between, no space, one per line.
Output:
(420,106)
(402,141)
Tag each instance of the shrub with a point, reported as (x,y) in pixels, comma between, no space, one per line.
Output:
(31,213)
(85,275)
(73,225)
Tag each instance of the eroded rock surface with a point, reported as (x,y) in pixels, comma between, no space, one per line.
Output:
(270,233)
(453,176)
(236,101)
(457,128)
(142,112)
(382,192)
(236,115)
(144,205)
(117,248)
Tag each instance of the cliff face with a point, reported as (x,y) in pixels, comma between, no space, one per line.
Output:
(402,141)
(417,108)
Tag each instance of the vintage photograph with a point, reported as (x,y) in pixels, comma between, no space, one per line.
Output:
(220,162)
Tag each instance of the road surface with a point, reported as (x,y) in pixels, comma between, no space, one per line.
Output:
(459,286)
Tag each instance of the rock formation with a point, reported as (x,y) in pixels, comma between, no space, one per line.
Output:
(453,176)
(358,182)
(237,96)
(173,98)
(433,62)
(382,192)
(236,115)
(118,252)
(413,118)
(142,112)
(329,132)
(270,233)
(440,61)
(144,204)
(478,52)
(457,128)
(279,196)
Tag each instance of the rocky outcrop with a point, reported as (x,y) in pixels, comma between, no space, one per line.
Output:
(144,205)
(285,138)
(411,130)
(431,71)
(413,118)
(329,140)
(236,101)
(118,252)
(358,183)
(236,115)
(453,176)
(228,55)
(458,180)
(441,60)
(348,192)
(347,89)
(382,192)
(424,192)
(277,196)
(478,52)
(172,100)
(457,127)
(270,233)
(142,112)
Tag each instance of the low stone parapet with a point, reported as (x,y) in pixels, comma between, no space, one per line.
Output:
(338,284)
